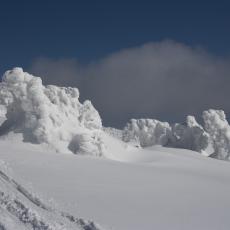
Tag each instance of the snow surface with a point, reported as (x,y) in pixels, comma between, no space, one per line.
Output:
(21,209)
(153,188)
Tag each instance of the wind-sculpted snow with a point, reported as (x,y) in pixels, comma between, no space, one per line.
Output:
(149,132)
(48,114)
(116,133)
(190,135)
(87,144)
(146,132)
(20,209)
(219,131)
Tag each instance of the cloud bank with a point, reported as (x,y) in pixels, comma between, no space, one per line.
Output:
(163,80)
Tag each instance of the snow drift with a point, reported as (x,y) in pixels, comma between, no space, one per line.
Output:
(49,114)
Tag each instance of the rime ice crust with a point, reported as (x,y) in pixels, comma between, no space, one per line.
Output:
(149,132)
(190,135)
(216,124)
(146,132)
(48,114)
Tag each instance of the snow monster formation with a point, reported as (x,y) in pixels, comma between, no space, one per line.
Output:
(54,116)
(146,132)
(219,130)
(189,135)
(49,114)
(149,132)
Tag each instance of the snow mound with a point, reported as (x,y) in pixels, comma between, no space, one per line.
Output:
(48,114)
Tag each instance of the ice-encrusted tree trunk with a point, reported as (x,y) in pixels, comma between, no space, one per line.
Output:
(219,130)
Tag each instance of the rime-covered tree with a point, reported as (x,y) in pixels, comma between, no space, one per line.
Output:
(146,132)
(219,130)
(47,114)
(190,135)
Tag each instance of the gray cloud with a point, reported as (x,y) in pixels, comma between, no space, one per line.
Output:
(164,80)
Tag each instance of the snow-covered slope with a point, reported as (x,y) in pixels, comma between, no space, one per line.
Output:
(156,188)
(21,209)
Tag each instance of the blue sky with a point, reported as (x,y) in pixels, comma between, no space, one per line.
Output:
(88,30)
(101,43)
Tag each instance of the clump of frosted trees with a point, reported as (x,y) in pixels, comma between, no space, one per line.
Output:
(146,132)
(54,115)
(49,114)
(189,135)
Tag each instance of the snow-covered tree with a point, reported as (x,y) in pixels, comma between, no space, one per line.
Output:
(45,114)
(149,132)
(219,130)
(190,135)
(146,132)
(85,143)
